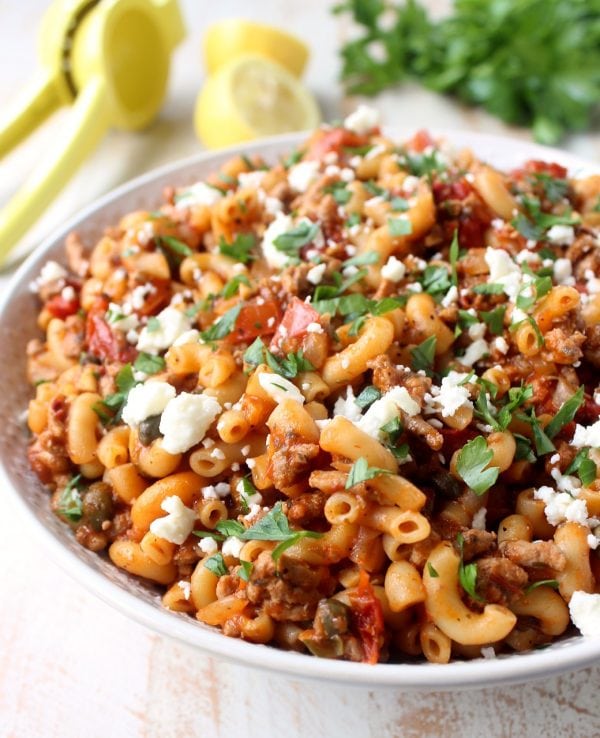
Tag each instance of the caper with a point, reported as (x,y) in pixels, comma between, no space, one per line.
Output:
(148,430)
(97,505)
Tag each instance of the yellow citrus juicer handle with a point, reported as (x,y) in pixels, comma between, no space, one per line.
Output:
(108,58)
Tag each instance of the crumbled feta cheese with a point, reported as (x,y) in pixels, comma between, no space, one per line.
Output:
(279,388)
(232,546)
(191,336)
(362,120)
(393,269)
(347,406)
(387,408)
(562,235)
(593,282)
(584,609)
(275,258)
(450,297)
(315,275)
(177,524)
(121,317)
(145,400)
(477,350)
(216,491)
(503,271)
(410,184)
(479,519)
(186,419)
(52,271)
(517,316)
(198,194)
(303,174)
(208,546)
(347,174)
(450,396)
(139,294)
(561,506)
(376,151)
(476,331)
(245,449)
(314,328)
(68,293)
(563,272)
(587,435)
(488,652)
(251,179)
(500,344)
(172,323)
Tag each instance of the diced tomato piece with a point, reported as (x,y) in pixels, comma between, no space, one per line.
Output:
(421,140)
(458,190)
(296,319)
(61,308)
(368,618)
(334,139)
(156,300)
(255,320)
(536,166)
(104,342)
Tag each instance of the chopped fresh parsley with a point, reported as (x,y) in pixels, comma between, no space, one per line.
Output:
(367,397)
(485,288)
(565,414)
(399,205)
(471,465)
(339,191)
(110,408)
(293,158)
(542,583)
(454,255)
(533,222)
(70,504)
(432,572)
(148,363)
(467,573)
(423,355)
(294,239)
(370,257)
(223,326)
(524,451)
(555,188)
(274,526)
(584,467)
(216,565)
(174,244)
(245,570)
(399,226)
(494,319)
(436,280)
(240,249)
(362,472)
(233,285)
(288,367)
(153,324)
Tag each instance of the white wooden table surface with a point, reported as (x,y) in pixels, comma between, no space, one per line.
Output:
(70,666)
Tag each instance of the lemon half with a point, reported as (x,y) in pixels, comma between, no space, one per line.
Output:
(236,37)
(250,97)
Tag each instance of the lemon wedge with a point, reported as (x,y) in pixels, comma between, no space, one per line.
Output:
(250,97)
(235,37)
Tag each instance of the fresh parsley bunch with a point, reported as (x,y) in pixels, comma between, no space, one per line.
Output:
(528,62)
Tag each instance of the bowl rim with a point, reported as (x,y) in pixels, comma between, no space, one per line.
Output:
(578,653)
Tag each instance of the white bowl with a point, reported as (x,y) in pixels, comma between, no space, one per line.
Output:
(140,601)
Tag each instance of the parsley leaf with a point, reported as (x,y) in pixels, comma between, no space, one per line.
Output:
(153,324)
(240,249)
(423,355)
(245,570)
(110,408)
(216,565)
(485,288)
(362,472)
(467,573)
(293,240)
(542,583)
(494,319)
(288,367)
(70,504)
(584,467)
(432,572)
(339,191)
(471,465)
(175,245)
(274,526)
(232,287)
(369,257)
(565,414)
(149,364)
(367,397)
(399,226)
(223,326)
(453,255)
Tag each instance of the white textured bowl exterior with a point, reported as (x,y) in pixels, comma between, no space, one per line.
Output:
(140,601)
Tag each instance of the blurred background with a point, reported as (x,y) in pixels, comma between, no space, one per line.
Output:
(432,63)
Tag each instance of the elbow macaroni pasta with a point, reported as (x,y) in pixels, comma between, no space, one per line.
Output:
(403,433)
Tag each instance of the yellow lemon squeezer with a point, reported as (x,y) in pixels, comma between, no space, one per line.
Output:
(110,60)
